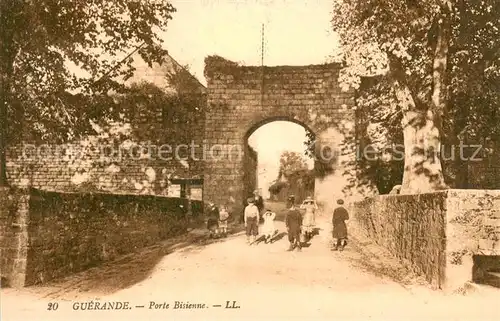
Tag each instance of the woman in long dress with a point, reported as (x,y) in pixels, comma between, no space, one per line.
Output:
(309,222)
(268,228)
(339,232)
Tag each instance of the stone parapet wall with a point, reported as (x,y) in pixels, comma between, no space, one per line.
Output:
(77,168)
(475,216)
(435,234)
(412,227)
(48,235)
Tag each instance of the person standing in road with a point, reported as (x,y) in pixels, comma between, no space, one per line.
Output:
(268,229)
(223,218)
(212,219)
(259,202)
(293,223)
(251,217)
(339,232)
(310,208)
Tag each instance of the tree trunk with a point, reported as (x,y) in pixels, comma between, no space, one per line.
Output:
(422,172)
(422,125)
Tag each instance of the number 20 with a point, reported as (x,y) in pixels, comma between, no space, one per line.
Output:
(53,306)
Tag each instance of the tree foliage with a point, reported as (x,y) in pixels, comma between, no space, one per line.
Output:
(294,174)
(475,72)
(292,162)
(129,135)
(276,187)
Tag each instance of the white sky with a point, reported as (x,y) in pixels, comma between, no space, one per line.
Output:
(279,136)
(270,141)
(297,32)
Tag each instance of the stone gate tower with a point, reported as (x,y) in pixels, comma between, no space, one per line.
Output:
(243,98)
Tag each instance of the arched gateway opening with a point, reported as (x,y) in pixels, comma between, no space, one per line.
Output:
(278,161)
(242,98)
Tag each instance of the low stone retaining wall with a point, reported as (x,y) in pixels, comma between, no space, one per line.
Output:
(47,235)
(13,236)
(435,234)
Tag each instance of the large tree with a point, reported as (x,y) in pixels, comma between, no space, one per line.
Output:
(292,162)
(410,40)
(440,60)
(295,174)
(51,47)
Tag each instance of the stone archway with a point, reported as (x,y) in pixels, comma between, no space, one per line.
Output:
(242,98)
(249,172)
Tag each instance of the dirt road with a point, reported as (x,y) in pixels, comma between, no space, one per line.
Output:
(264,281)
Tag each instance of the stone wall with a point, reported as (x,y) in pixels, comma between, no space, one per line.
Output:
(436,234)
(95,163)
(473,229)
(412,227)
(243,98)
(73,167)
(132,166)
(62,233)
(14,212)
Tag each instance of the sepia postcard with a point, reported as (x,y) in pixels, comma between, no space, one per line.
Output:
(249,160)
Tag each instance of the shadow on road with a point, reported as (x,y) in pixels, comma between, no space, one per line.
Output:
(127,270)
(369,257)
(279,236)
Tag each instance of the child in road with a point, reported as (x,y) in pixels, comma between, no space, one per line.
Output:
(268,228)
(310,207)
(251,217)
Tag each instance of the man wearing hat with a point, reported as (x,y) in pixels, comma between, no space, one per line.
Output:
(212,218)
(339,232)
(259,202)
(293,223)
(251,217)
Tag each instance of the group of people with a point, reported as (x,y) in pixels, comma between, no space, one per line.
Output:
(297,224)
(217,220)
